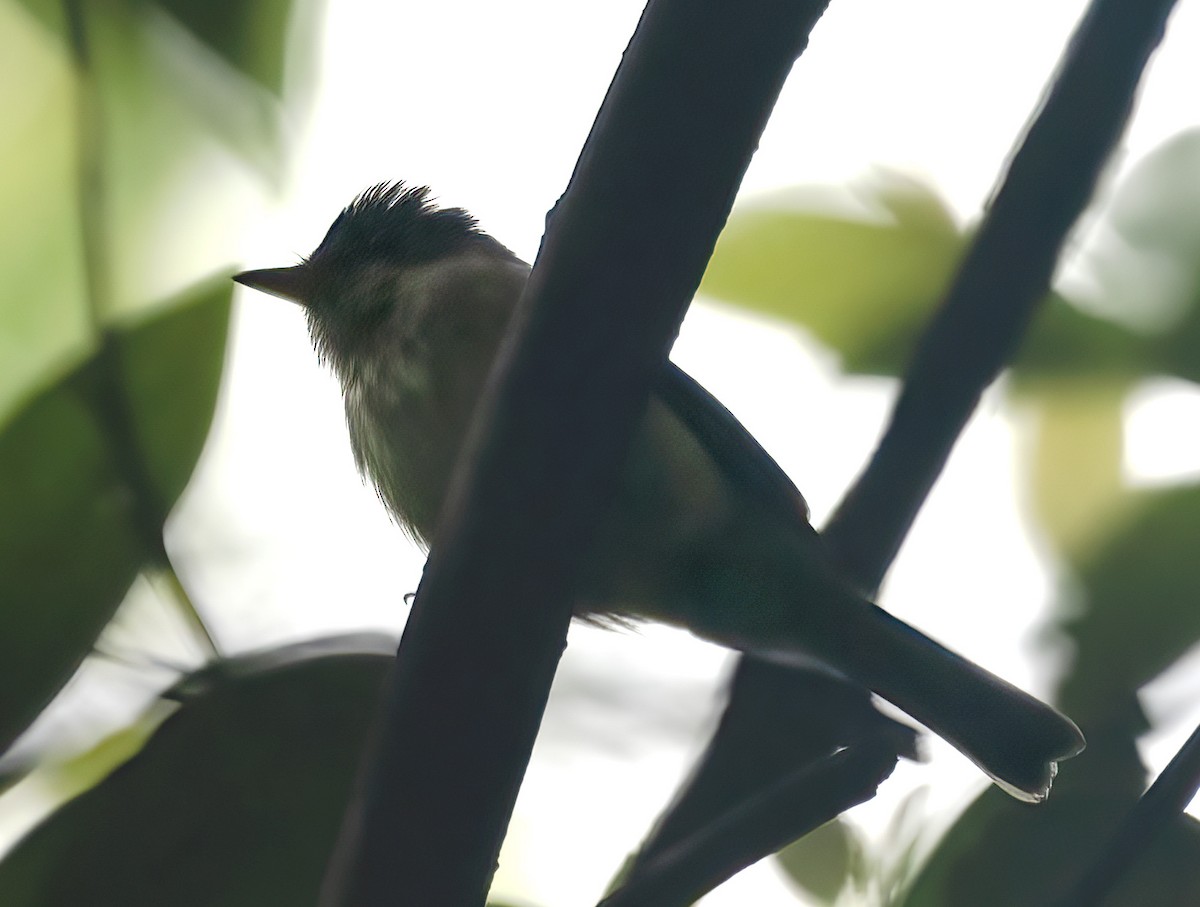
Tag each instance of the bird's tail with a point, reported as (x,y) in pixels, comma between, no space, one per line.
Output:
(1016,739)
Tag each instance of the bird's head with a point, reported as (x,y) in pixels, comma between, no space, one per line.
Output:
(367,265)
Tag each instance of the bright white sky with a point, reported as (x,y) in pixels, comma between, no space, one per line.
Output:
(489,104)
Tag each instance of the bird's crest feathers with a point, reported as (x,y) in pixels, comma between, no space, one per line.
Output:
(396,224)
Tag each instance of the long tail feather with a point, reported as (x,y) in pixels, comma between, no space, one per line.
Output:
(1016,739)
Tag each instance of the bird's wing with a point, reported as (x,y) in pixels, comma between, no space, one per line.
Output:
(737,454)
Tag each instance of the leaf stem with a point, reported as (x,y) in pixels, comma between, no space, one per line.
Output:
(192,616)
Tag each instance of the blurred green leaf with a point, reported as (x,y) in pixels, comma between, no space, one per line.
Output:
(42,323)
(863,270)
(1155,218)
(71,777)
(1077,451)
(1001,852)
(166,102)
(1139,614)
(47,12)
(861,273)
(161,102)
(1142,602)
(824,861)
(1066,343)
(251,36)
(1168,873)
(1156,205)
(172,372)
(899,857)
(235,800)
(1144,270)
(51,780)
(1175,349)
(68,550)
(68,544)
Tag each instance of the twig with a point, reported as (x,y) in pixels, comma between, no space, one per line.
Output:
(623,255)
(792,807)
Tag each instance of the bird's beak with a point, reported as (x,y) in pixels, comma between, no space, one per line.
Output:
(293,284)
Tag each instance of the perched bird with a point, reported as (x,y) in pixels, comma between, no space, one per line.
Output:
(407,302)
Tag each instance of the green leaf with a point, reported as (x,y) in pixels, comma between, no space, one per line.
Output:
(48,12)
(68,550)
(1145,271)
(898,854)
(223,60)
(861,282)
(69,546)
(1077,451)
(1156,214)
(1001,852)
(824,861)
(1067,343)
(1140,609)
(164,99)
(172,373)
(865,285)
(235,800)
(1137,616)
(250,36)
(43,326)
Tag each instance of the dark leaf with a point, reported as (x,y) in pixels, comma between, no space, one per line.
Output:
(172,371)
(1065,342)
(235,800)
(1000,852)
(1141,611)
(68,546)
(68,550)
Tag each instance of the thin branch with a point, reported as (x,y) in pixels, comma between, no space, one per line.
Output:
(986,311)
(789,809)
(104,382)
(1003,279)
(820,714)
(1158,807)
(624,252)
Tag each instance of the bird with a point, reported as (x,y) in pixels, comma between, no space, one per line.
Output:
(407,302)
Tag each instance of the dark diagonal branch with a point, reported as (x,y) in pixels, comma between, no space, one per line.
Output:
(623,255)
(1004,277)
(988,307)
